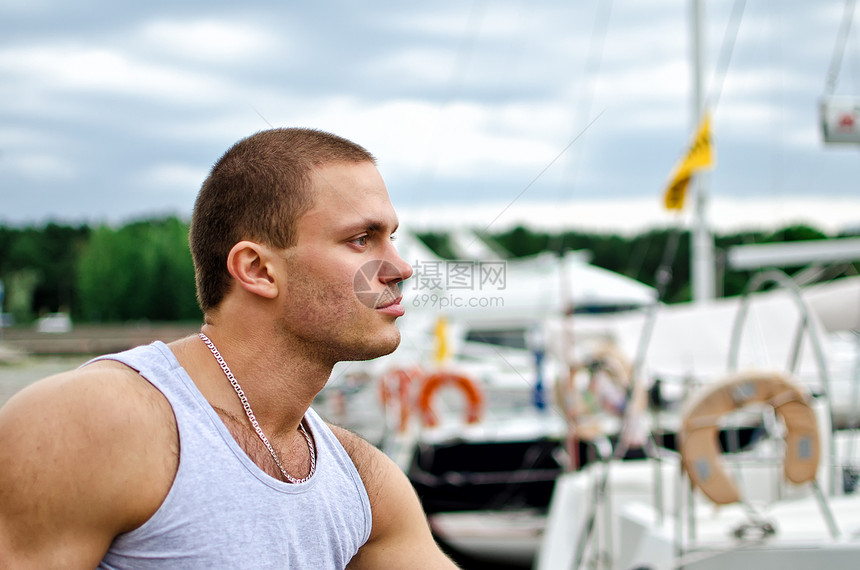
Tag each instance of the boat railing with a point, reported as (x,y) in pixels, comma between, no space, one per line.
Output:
(685,502)
(807,327)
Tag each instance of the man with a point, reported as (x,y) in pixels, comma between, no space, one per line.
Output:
(205,453)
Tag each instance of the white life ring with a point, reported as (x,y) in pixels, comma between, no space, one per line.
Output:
(609,372)
(699,445)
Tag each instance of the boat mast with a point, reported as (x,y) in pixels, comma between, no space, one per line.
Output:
(702,250)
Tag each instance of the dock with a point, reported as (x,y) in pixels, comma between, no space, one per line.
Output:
(91,339)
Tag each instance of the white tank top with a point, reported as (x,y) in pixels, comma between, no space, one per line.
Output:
(223,511)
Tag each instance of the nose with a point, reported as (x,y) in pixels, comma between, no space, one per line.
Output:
(396,270)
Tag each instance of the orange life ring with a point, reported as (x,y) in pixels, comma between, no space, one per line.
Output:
(700,424)
(400,380)
(474,397)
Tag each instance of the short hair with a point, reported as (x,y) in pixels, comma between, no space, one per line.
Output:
(257,191)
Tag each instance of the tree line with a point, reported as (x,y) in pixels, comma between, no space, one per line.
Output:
(142,270)
(645,256)
(139,271)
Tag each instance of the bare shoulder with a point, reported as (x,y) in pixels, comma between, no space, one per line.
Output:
(383,480)
(400,537)
(370,462)
(86,455)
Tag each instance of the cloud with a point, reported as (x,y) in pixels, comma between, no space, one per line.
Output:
(22,137)
(210,41)
(169,176)
(630,217)
(38,166)
(460,101)
(55,69)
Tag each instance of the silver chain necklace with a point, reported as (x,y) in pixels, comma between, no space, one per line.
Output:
(253,419)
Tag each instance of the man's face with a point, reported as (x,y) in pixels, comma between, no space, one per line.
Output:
(342,297)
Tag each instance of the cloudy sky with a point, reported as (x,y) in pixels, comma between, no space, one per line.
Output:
(555,112)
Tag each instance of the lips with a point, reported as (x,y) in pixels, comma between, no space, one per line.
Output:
(394,308)
(366,284)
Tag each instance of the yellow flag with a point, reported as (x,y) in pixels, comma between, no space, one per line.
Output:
(441,334)
(699,156)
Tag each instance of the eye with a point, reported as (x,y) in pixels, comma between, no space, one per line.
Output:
(360,240)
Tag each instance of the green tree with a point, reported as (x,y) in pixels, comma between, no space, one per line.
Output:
(142,270)
(47,256)
(438,243)
(19,286)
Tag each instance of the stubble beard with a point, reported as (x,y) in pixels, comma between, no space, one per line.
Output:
(336,325)
(342,336)
(381,346)
(333,349)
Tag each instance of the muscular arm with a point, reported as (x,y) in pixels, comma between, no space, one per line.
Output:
(400,537)
(84,456)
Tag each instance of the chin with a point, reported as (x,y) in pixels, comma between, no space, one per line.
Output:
(383,345)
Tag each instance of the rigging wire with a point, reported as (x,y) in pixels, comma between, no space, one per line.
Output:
(462,59)
(664,270)
(726,50)
(595,56)
(593,62)
(839,47)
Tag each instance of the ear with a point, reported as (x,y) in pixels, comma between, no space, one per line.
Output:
(252,266)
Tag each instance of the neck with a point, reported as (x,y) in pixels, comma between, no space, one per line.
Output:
(279,381)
